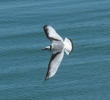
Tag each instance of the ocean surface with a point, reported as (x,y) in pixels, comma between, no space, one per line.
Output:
(83,75)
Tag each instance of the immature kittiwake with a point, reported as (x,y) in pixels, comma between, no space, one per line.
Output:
(58,47)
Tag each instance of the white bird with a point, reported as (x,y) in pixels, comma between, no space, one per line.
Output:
(58,47)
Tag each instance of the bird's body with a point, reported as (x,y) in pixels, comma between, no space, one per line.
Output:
(58,47)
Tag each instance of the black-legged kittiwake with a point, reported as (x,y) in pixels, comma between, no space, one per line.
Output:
(58,47)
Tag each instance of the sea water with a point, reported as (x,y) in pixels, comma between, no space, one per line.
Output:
(83,75)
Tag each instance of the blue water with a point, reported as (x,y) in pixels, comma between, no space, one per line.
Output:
(83,75)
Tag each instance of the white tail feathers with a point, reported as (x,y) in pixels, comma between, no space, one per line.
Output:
(68,45)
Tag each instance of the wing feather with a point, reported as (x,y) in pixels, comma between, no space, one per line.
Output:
(51,33)
(54,64)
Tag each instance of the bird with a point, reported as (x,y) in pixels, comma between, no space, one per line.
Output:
(58,46)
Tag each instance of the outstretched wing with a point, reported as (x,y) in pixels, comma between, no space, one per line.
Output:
(54,64)
(51,33)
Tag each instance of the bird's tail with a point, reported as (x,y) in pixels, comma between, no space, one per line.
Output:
(68,45)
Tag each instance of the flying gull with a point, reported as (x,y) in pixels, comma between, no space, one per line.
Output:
(58,47)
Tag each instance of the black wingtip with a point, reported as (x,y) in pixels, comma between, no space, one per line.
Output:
(45,30)
(46,78)
(45,26)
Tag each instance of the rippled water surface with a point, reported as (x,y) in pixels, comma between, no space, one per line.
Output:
(83,75)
